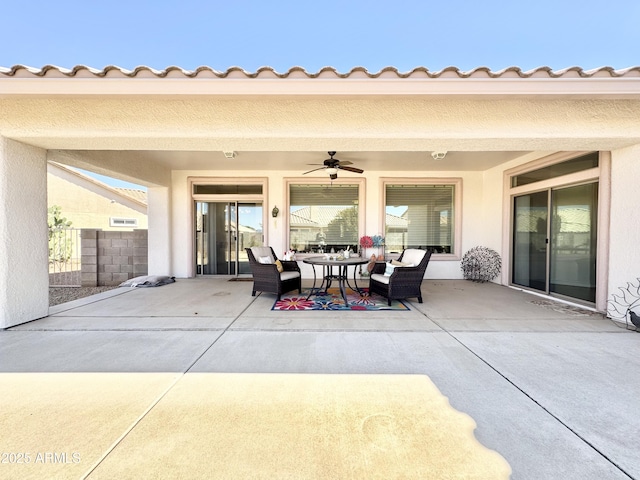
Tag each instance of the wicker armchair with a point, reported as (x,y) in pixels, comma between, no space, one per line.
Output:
(404,282)
(266,277)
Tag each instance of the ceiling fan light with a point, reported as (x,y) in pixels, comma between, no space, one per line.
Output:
(332,171)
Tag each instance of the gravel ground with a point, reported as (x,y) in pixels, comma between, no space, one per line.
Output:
(58,295)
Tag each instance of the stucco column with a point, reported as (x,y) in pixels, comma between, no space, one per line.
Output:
(159,241)
(624,218)
(24,276)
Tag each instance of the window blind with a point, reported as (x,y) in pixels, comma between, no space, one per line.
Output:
(420,195)
(425,215)
(323,195)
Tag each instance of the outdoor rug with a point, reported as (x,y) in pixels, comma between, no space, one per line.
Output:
(333,301)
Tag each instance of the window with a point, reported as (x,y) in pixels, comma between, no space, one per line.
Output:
(573,165)
(420,216)
(123,222)
(323,217)
(227,189)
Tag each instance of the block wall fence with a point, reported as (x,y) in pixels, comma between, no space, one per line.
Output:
(110,258)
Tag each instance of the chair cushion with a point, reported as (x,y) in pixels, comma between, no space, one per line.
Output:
(388,269)
(263,254)
(393,264)
(289,275)
(413,255)
(401,264)
(378,277)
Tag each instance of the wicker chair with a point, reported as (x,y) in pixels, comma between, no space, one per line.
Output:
(404,282)
(266,277)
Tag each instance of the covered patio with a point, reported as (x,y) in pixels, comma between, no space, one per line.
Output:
(487,152)
(552,388)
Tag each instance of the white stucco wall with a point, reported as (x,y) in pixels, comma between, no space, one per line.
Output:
(181,220)
(24,279)
(492,219)
(474,224)
(624,254)
(159,238)
(308,123)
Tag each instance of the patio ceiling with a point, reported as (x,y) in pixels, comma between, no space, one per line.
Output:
(153,167)
(295,163)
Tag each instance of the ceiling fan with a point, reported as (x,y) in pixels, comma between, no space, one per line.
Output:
(332,165)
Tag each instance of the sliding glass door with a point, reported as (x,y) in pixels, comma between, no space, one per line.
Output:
(223,231)
(572,253)
(530,240)
(554,241)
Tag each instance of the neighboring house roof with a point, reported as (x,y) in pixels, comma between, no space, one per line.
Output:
(575,220)
(243,228)
(134,199)
(324,214)
(396,221)
(572,220)
(139,195)
(297,220)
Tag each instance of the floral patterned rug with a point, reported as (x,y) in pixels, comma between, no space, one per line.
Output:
(332,300)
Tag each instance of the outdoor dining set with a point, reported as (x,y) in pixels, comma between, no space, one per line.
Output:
(393,280)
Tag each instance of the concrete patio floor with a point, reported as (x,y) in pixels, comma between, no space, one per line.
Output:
(552,389)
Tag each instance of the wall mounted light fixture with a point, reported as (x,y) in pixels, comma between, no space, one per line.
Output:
(275,211)
(229,154)
(439,154)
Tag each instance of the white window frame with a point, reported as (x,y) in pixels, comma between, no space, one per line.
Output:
(361,182)
(457,209)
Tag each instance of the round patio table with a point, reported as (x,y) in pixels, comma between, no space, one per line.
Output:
(328,276)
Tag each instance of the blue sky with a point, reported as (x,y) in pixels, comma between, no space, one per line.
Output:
(111,181)
(342,34)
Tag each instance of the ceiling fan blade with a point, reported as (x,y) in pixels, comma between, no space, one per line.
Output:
(350,169)
(334,163)
(314,170)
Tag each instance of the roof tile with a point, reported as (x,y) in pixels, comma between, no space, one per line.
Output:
(298,72)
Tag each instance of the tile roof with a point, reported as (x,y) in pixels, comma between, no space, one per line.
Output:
(396,221)
(139,195)
(569,220)
(297,72)
(323,215)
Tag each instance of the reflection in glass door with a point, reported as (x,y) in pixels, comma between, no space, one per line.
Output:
(572,261)
(530,240)
(554,241)
(223,231)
